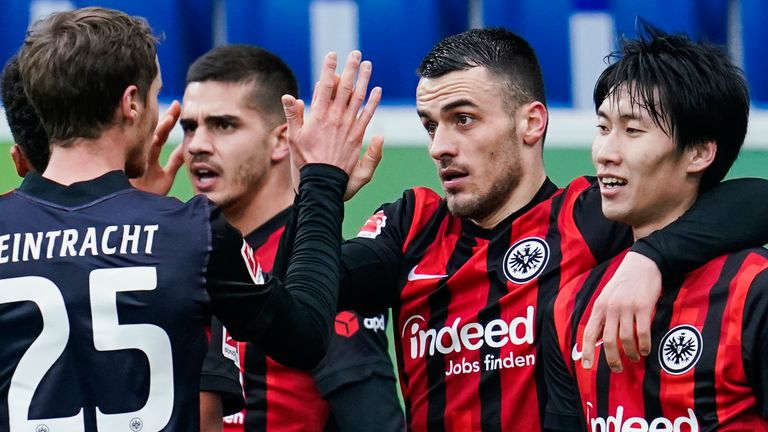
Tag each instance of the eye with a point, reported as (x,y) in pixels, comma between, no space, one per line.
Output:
(224,125)
(602,128)
(633,131)
(188,128)
(430,127)
(464,120)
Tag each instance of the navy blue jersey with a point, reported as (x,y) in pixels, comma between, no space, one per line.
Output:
(102,308)
(105,293)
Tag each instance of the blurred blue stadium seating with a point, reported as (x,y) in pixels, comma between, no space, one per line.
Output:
(395,34)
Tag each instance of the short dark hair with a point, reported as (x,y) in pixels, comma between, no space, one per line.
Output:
(23,121)
(247,64)
(77,64)
(691,90)
(505,54)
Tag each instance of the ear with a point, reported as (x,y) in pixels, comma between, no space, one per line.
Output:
(532,122)
(701,157)
(279,142)
(129,104)
(20,160)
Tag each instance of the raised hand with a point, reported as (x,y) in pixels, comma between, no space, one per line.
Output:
(333,132)
(158,179)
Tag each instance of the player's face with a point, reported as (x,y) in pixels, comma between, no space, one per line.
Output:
(227,143)
(472,140)
(136,162)
(643,179)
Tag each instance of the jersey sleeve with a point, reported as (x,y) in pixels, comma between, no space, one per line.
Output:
(562,411)
(290,319)
(729,217)
(371,262)
(605,238)
(220,373)
(755,340)
(358,350)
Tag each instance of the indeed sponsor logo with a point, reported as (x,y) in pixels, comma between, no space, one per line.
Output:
(638,424)
(470,336)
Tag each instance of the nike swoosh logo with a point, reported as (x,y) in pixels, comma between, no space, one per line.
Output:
(413,276)
(576,354)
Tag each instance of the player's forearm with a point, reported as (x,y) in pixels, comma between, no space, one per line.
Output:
(731,216)
(289,319)
(312,276)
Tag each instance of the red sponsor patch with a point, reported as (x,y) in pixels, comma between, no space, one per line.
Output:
(372,227)
(252,263)
(346,324)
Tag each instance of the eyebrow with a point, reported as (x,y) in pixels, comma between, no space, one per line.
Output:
(450,107)
(624,117)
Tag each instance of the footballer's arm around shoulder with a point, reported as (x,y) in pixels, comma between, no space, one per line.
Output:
(289,318)
(729,217)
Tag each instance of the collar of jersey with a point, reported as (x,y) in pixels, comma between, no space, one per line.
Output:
(76,194)
(546,190)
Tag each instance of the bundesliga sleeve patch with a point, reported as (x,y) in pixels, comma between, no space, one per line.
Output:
(252,264)
(229,348)
(372,227)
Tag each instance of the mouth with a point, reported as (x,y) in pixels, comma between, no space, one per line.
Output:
(204,178)
(611,183)
(452,177)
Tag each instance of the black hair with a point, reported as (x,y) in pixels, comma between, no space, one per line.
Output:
(270,76)
(25,125)
(505,54)
(691,90)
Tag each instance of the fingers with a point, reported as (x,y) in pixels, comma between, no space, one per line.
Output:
(346,84)
(294,112)
(611,341)
(627,334)
(175,161)
(591,331)
(166,124)
(325,86)
(358,129)
(363,172)
(643,328)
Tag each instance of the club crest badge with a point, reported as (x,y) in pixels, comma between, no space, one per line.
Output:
(525,260)
(680,349)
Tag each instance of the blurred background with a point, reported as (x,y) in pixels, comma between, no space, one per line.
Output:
(571,37)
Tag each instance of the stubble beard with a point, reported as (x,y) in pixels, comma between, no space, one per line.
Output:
(481,205)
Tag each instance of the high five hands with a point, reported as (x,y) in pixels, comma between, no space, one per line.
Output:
(333,132)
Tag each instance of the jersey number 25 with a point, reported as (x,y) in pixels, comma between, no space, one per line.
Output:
(108,335)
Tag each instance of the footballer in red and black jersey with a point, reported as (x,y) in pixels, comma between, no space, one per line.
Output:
(467,301)
(105,293)
(708,367)
(280,398)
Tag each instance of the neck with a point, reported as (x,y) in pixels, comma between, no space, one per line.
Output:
(274,196)
(86,158)
(528,184)
(665,216)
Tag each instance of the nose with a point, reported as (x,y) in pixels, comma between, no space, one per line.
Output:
(198,141)
(442,144)
(606,149)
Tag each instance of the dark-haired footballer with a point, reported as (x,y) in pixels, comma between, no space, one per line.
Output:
(468,274)
(672,115)
(237,154)
(105,290)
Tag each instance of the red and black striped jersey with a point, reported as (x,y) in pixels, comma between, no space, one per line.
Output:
(466,300)
(708,367)
(279,398)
